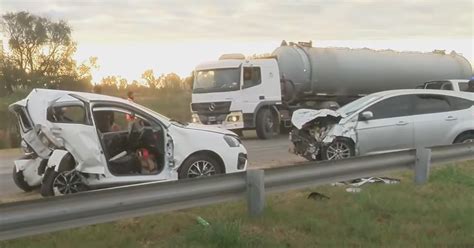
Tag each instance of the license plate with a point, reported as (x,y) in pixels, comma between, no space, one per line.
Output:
(212,118)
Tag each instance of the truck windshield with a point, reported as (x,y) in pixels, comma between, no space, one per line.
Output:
(217,80)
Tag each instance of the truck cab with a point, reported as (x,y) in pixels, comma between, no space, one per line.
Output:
(230,93)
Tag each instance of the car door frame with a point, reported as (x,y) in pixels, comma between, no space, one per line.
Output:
(165,174)
(84,163)
(359,121)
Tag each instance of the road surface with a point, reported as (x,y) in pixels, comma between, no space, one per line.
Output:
(261,154)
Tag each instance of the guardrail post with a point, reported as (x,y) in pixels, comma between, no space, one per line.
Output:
(422,165)
(255,192)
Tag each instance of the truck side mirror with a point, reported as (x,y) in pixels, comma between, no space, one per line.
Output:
(367,115)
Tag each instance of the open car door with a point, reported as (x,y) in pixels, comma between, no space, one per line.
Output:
(70,118)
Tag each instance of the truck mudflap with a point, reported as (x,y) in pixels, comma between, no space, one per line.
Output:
(29,168)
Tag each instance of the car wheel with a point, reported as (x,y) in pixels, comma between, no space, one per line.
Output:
(200,166)
(465,138)
(266,124)
(20,182)
(64,181)
(338,149)
(19,179)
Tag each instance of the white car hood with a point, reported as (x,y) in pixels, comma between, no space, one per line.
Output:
(302,116)
(207,128)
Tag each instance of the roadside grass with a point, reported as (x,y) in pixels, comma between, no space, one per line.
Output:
(438,214)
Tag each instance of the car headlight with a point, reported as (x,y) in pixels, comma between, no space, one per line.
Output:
(232,141)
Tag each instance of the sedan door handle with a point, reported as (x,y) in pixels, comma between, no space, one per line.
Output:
(451,118)
(402,123)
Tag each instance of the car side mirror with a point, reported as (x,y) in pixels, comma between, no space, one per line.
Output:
(367,115)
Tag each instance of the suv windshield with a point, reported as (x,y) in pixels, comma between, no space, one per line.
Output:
(217,80)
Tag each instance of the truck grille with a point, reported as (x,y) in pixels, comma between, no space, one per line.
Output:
(211,108)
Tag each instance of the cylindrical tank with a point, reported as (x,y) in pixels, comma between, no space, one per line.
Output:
(351,72)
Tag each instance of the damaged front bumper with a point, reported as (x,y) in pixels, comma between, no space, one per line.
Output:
(315,130)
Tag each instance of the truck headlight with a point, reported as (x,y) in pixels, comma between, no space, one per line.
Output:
(233,118)
(195,118)
(232,141)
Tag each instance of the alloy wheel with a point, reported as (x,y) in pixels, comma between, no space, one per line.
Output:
(201,168)
(338,150)
(68,182)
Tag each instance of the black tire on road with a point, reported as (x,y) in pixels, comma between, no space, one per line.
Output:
(200,163)
(67,163)
(20,182)
(465,138)
(266,124)
(340,148)
(47,185)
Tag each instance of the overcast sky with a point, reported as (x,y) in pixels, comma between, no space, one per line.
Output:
(131,36)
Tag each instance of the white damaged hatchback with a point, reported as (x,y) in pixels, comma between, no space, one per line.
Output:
(76,141)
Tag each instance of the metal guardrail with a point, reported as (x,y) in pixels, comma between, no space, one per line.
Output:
(21,219)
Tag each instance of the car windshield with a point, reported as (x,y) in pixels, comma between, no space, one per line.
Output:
(217,80)
(356,105)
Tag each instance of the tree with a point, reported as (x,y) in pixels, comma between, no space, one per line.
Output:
(39,44)
(150,79)
(41,52)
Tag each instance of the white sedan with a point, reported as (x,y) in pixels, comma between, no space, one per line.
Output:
(76,141)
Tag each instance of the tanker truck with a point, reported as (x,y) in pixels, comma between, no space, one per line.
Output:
(238,93)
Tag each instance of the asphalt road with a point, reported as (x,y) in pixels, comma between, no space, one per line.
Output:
(261,153)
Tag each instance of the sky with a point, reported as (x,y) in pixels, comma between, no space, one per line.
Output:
(129,37)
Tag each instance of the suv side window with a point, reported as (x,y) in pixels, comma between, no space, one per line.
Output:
(396,106)
(252,77)
(67,114)
(459,103)
(427,104)
(447,86)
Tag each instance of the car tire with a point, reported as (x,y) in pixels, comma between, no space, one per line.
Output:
(20,182)
(19,178)
(47,184)
(265,124)
(340,148)
(50,175)
(465,138)
(196,163)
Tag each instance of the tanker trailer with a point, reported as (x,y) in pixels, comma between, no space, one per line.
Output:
(237,93)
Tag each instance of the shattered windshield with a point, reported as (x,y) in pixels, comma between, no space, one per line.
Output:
(358,104)
(217,80)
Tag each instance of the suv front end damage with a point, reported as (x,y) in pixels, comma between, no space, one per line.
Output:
(314,130)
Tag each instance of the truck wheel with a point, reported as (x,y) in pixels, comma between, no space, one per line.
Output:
(338,149)
(199,165)
(266,124)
